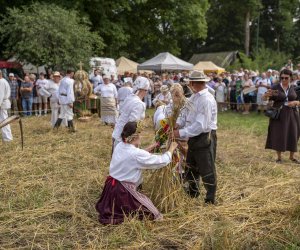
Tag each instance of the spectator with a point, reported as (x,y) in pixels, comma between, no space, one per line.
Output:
(247,83)
(36,100)
(220,89)
(97,78)
(43,100)
(262,85)
(14,90)
(283,133)
(26,90)
(232,93)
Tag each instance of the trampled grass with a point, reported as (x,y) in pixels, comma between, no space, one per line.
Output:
(49,190)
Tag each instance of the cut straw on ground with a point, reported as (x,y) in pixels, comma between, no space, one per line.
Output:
(48,193)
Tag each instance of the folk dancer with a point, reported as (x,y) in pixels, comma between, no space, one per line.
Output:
(4,106)
(199,125)
(133,109)
(120,197)
(66,99)
(123,93)
(109,101)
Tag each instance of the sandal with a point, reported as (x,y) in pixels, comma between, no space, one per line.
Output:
(295,161)
(279,161)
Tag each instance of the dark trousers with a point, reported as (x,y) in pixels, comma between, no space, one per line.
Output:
(200,161)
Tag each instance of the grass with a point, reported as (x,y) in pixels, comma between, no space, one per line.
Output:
(49,190)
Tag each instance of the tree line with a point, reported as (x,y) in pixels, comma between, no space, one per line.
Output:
(63,32)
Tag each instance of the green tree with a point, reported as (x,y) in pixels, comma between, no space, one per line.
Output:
(45,34)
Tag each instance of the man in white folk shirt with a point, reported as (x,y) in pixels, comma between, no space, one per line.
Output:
(200,125)
(4,106)
(66,99)
(133,109)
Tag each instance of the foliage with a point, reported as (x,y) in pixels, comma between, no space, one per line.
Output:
(261,60)
(45,34)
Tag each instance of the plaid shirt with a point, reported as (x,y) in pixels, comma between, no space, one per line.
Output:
(13,89)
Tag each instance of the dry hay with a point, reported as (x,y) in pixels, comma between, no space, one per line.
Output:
(48,193)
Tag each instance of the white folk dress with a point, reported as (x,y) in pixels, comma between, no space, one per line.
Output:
(109,95)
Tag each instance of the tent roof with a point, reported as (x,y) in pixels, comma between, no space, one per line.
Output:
(223,59)
(124,64)
(207,66)
(165,61)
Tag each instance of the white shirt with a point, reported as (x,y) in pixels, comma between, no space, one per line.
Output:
(201,117)
(158,116)
(124,92)
(97,80)
(52,87)
(66,88)
(4,94)
(41,83)
(133,110)
(128,162)
(165,98)
(107,90)
(263,90)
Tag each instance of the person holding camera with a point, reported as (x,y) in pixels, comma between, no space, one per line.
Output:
(283,133)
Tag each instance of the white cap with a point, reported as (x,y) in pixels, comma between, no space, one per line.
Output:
(11,74)
(106,77)
(142,83)
(269,70)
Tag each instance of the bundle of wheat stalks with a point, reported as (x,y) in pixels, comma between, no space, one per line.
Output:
(166,183)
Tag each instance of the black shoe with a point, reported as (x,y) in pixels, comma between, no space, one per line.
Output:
(209,201)
(278,161)
(71,126)
(58,122)
(295,161)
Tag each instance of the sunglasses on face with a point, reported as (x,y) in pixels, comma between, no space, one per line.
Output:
(284,78)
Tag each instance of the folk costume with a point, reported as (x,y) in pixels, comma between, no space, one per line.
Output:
(133,110)
(120,197)
(4,106)
(108,99)
(66,99)
(52,88)
(123,93)
(199,124)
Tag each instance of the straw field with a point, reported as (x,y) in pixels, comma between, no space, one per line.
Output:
(49,190)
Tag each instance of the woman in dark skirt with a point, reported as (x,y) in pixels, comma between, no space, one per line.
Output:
(120,197)
(283,133)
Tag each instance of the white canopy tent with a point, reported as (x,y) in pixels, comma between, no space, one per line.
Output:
(165,61)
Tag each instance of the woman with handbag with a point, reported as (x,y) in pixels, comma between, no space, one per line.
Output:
(284,127)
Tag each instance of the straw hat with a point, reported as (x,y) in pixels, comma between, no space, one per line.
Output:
(164,89)
(56,73)
(198,76)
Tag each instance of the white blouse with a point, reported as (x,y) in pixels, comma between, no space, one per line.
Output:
(128,162)
(107,90)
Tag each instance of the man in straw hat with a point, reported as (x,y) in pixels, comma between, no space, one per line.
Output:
(200,126)
(133,109)
(66,99)
(4,106)
(52,87)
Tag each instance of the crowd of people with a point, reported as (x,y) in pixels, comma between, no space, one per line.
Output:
(123,104)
